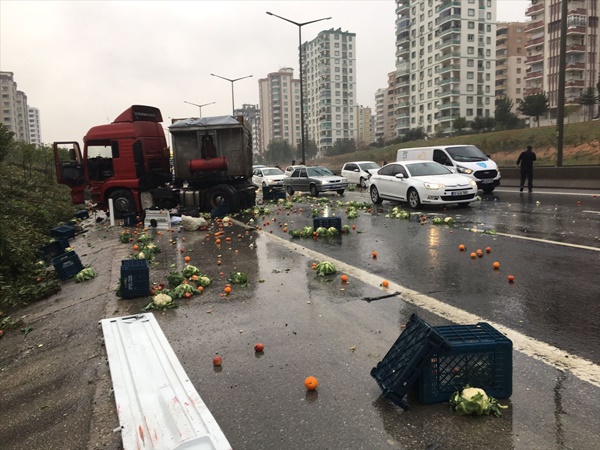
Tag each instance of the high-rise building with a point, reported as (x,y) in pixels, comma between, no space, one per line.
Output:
(252,115)
(379,128)
(363,125)
(14,112)
(35,129)
(511,39)
(543,50)
(445,63)
(279,97)
(329,76)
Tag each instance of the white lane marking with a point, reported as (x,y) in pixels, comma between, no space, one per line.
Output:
(591,212)
(545,241)
(581,194)
(582,368)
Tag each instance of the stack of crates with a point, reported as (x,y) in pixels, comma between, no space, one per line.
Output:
(63,232)
(67,265)
(328,222)
(439,361)
(135,278)
(54,249)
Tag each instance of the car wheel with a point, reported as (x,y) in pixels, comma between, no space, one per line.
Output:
(413,198)
(314,191)
(488,190)
(375,198)
(123,202)
(340,191)
(362,183)
(290,190)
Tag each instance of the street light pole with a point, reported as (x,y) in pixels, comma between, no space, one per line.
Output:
(231,81)
(199,106)
(300,25)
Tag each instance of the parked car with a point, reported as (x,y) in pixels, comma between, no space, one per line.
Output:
(267,177)
(358,172)
(258,166)
(314,180)
(290,169)
(421,182)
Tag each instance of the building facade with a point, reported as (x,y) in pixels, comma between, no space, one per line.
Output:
(35,128)
(543,51)
(363,125)
(445,63)
(511,39)
(253,116)
(14,112)
(279,103)
(329,76)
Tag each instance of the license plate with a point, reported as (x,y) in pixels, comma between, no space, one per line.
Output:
(486,181)
(455,193)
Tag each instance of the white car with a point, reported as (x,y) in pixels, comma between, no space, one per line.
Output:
(290,169)
(358,172)
(421,182)
(268,177)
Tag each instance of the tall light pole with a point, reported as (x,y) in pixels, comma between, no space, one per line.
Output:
(300,25)
(199,106)
(231,81)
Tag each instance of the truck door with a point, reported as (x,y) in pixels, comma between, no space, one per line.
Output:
(70,169)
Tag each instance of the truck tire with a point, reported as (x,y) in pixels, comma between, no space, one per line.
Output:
(123,202)
(223,194)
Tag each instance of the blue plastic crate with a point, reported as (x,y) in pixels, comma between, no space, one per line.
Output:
(271,193)
(63,232)
(401,367)
(67,265)
(54,249)
(135,278)
(479,356)
(219,212)
(328,222)
(129,219)
(82,214)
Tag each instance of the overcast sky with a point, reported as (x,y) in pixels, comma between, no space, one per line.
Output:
(83,62)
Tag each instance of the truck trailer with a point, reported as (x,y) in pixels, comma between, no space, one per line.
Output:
(129,162)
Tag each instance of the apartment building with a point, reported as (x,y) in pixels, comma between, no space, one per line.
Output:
(511,39)
(35,129)
(543,51)
(329,76)
(379,128)
(252,115)
(363,125)
(445,63)
(279,103)
(14,112)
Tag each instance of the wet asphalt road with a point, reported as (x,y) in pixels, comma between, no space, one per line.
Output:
(321,327)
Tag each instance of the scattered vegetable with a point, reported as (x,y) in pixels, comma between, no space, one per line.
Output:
(325,268)
(161,302)
(238,278)
(475,401)
(85,275)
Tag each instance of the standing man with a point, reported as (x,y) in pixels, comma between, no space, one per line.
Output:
(526,160)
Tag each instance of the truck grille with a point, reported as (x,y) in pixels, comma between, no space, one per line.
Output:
(481,174)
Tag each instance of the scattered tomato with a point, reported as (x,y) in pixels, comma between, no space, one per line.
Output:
(259,347)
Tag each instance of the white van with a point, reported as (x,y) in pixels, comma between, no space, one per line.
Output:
(464,159)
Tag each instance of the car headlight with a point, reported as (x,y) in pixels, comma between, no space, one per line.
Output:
(324,182)
(461,169)
(434,186)
(473,183)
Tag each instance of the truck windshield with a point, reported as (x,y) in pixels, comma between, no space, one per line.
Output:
(466,153)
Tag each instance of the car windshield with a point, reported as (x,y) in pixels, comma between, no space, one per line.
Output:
(273,171)
(318,172)
(369,166)
(427,168)
(466,153)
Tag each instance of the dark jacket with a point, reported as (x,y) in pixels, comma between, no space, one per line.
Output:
(526,159)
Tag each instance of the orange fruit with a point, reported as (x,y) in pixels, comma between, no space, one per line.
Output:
(354,227)
(218,241)
(200,288)
(313,266)
(374,254)
(473,255)
(344,278)
(136,247)
(461,247)
(311,383)
(217,361)
(187,294)
(187,259)
(496,265)
(511,278)
(285,230)
(227,289)
(488,249)
(385,283)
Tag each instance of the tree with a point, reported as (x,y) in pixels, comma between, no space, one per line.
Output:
(459,124)
(480,124)
(414,134)
(342,146)
(534,105)
(588,98)
(310,150)
(278,151)
(505,118)
(6,141)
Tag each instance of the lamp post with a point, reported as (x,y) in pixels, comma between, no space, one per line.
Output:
(199,106)
(231,81)
(300,25)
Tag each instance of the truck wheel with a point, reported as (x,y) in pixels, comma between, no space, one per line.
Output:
(314,191)
(223,194)
(290,190)
(123,202)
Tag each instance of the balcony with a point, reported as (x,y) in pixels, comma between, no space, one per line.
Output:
(575,48)
(575,66)
(534,9)
(445,43)
(501,76)
(445,56)
(448,4)
(402,8)
(574,83)
(534,75)
(449,105)
(449,93)
(446,81)
(533,91)
(534,26)
(534,42)
(442,20)
(573,31)
(447,32)
(449,68)
(533,59)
